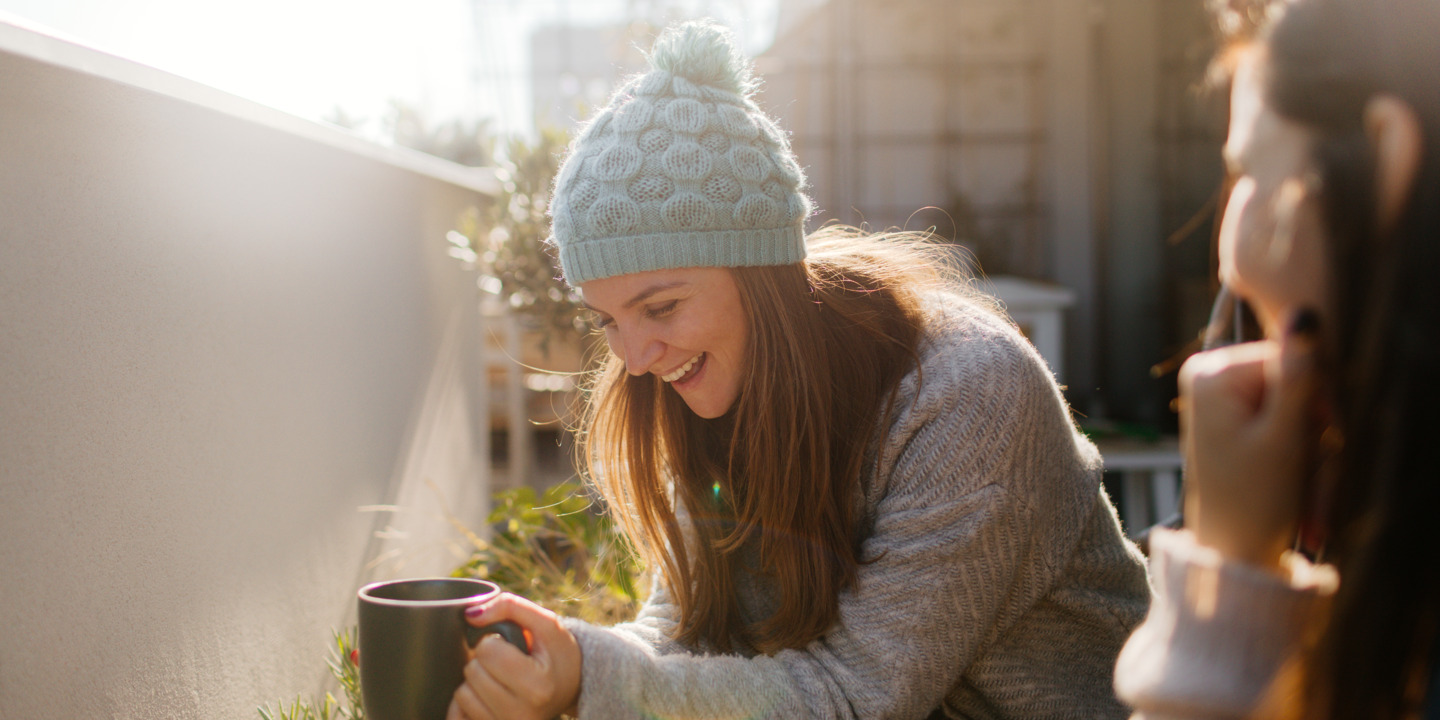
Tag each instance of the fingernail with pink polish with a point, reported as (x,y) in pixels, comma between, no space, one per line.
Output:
(474,611)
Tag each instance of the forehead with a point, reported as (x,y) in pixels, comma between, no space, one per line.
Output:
(613,294)
(1246,106)
(1259,138)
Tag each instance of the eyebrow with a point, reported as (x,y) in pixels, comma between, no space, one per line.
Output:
(645,294)
(641,296)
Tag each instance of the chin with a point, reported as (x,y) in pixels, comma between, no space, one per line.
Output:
(708,410)
(707,413)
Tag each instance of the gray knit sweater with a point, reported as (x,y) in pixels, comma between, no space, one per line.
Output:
(996,583)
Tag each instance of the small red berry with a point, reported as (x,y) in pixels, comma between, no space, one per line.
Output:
(355,657)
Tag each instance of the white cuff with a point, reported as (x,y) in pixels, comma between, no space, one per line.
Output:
(1218,631)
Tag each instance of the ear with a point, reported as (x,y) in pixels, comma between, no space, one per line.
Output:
(1394,131)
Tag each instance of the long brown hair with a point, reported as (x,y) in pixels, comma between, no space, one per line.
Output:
(1325,60)
(829,341)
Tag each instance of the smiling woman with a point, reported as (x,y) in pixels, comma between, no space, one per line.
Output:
(860,489)
(685,326)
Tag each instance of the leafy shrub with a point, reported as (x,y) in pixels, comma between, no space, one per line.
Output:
(344,665)
(555,550)
(558,552)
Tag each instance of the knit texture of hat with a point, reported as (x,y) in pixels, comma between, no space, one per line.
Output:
(681,169)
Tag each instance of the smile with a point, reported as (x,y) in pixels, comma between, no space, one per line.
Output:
(681,371)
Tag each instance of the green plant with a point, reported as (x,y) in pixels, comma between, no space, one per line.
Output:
(557,551)
(465,143)
(344,665)
(470,143)
(554,549)
(506,240)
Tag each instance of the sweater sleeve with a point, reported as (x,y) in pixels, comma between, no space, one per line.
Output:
(1218,632)
(951,560)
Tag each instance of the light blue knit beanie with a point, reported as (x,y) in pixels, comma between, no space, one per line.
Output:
(681,169)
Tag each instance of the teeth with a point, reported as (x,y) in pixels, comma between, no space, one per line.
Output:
(680,371)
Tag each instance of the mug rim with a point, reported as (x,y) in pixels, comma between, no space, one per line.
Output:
(365,596)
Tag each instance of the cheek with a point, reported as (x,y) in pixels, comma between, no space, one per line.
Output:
(1271,250)
(1236,229)
(720,331)
(1308,265)
(733,339)
(615,343)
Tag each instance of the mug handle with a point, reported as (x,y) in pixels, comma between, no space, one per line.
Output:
(505,629)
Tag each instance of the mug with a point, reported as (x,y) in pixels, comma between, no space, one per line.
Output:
(414,643)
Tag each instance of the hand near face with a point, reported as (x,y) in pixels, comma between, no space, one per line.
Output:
(1248,419)
(502,683)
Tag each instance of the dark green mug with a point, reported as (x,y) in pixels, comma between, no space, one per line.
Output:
(414,643)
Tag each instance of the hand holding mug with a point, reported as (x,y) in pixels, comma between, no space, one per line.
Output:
(415,642)
(501,682)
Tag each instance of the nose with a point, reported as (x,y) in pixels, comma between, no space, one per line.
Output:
(640,350)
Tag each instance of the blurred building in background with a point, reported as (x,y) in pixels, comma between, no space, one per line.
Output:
(574,68)
(1065,141)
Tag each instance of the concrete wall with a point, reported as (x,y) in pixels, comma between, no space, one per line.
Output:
(223,332)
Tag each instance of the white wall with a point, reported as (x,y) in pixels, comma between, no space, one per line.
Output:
(222,332)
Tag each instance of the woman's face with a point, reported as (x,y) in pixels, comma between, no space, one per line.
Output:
(1271,239)
(685,326)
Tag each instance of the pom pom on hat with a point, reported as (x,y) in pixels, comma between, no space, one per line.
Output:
(703,53)
(680,169)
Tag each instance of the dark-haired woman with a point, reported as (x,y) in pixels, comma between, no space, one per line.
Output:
(861,490)
(1317,443)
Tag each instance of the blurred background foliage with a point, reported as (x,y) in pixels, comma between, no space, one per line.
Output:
(466,142)
(506,240)
(556,549)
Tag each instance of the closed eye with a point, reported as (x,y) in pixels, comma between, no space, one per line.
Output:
(659,311)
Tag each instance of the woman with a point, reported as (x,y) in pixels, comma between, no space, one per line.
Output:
(862,492)
(1321,437)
